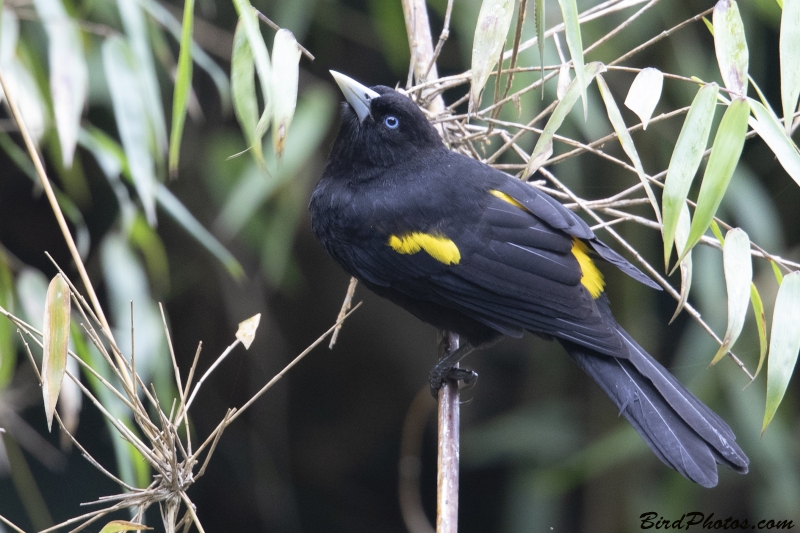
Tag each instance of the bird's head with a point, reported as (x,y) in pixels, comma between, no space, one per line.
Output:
(380,126)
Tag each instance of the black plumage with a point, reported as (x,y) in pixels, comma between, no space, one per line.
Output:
(473,250)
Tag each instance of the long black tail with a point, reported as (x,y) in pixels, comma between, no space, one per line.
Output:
(681,430)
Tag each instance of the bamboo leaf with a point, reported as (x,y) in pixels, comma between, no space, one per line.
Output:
(69,74)
(55,342)
(768,127)
(491,31)
(790,67)
(118,526)
(776,270)
(731,46)
(132,120)
(572,31)
(725,153)
(681,236)
(544,146)
(245,103)
(738,279)
(626,141)
(685,161)
(784,344)
(249,21)
(183,87)
(761,324)
(644,94)
(538,19)
(285,74)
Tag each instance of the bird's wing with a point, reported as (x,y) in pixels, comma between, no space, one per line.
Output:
(500,264)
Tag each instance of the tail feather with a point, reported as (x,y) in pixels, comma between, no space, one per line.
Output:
(680,429)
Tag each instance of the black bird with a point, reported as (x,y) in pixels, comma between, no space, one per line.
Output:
(473,250)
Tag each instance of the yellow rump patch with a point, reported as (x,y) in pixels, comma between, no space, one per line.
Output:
(506,198)
(592,278)
(439,247)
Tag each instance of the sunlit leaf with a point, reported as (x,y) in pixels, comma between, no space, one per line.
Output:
(249,21)
(141,64)
(70,401)
(725,153)
(55,343)
(132,122)
(790,67)
(717,232)
(738,269)
(118,526)
(685,161)
(761,324)
(544,145)
(564,80)
(494,21)
(572,31)
(644,94)
(626,141)
(731,46)
(247,330)
(784,344)
(69,74)
(768,127)
(183,87)
(285,73)
(681,236)
(245,103)
(21,82)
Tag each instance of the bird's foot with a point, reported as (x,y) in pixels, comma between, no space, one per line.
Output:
(439,375)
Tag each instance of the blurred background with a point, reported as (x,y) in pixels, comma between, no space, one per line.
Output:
(542,447)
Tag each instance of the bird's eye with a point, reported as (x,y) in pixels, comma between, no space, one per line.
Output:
(391,122)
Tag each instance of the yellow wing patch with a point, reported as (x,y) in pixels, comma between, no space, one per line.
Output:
(506,198)
(437,246)
(591,277)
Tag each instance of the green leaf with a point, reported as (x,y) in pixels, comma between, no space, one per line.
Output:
(249,21)
(146,80)
(572,31)
(132,120)
(8,354)
(685,161)
(544,146)
(784,344)
(768,127)
(776,269)
(183,87)
(178,212)
(644,94)
(626,141)
(55,343)
(285,75)
(761,324)
(725,153)
(245,103)
(681,236)
(491,31)
(69,74)
(161,15)
(790,67)
(539,21)
(717,232)
(731,46)
(118,526)
(738,268)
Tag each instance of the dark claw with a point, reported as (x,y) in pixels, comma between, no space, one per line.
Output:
(439,375)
